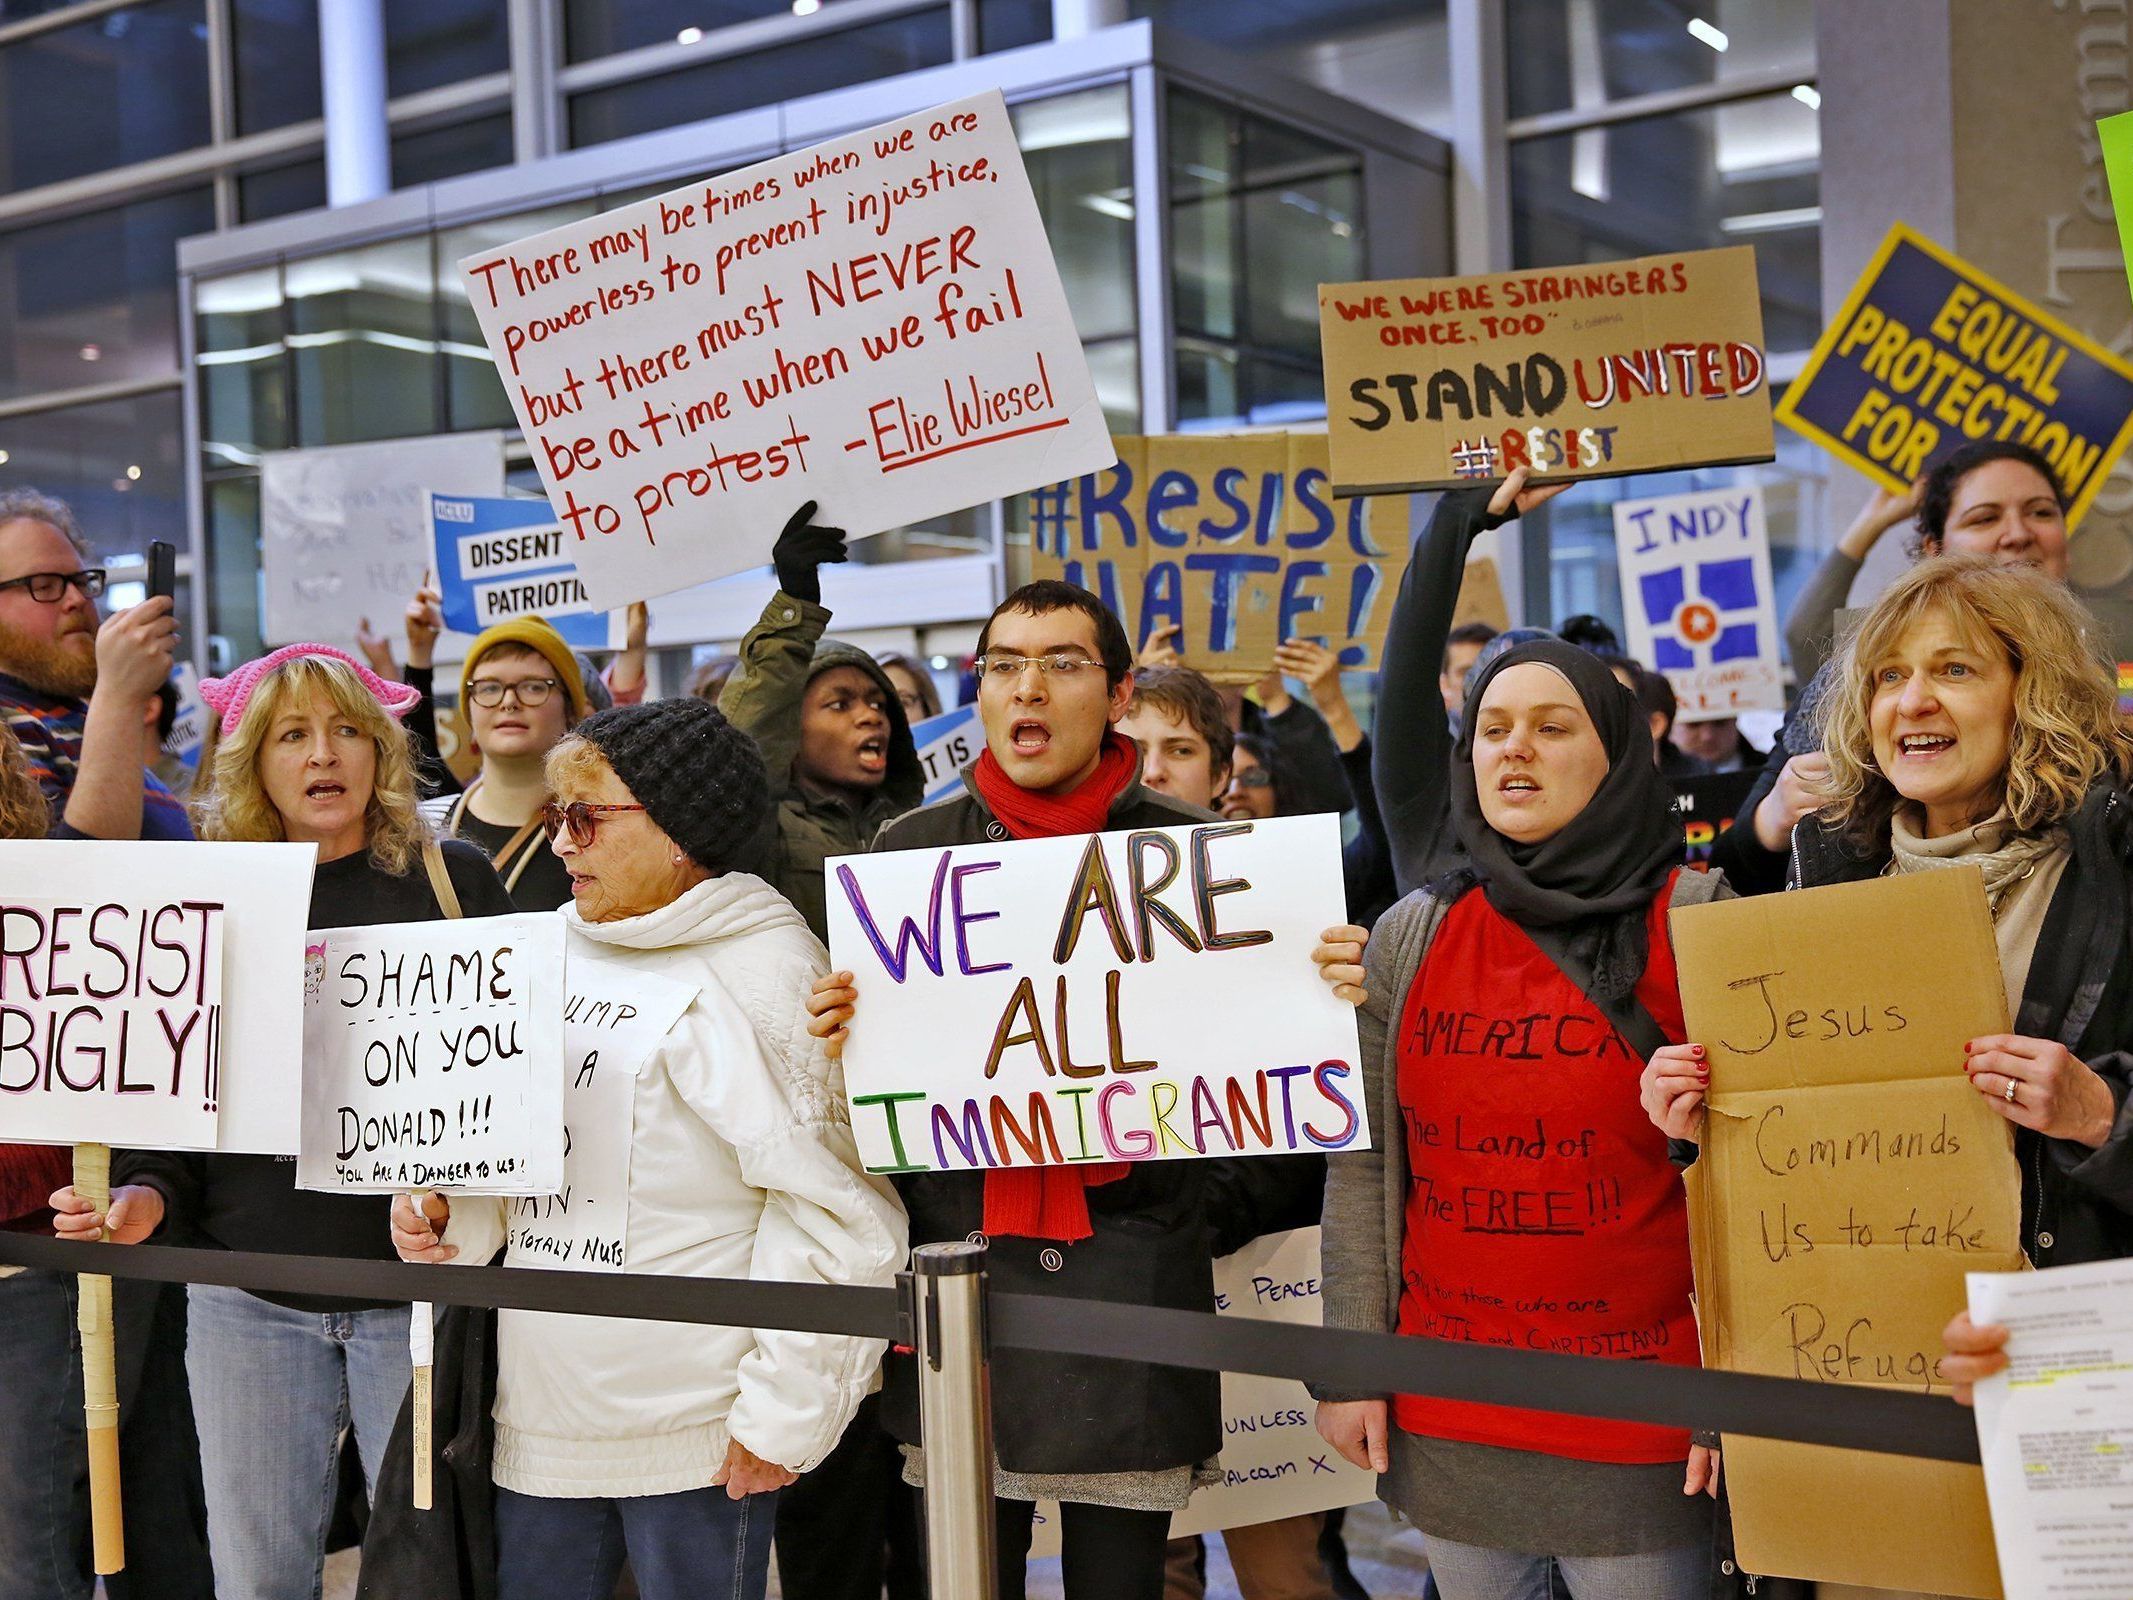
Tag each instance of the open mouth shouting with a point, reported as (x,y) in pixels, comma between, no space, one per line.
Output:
(1924,746)
(1029,737)
(1517,786)
(872,753)
(324,791)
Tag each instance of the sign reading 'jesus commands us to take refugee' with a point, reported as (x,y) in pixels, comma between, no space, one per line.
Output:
(1106,997)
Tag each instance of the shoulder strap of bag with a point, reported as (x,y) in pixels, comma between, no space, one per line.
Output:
(440,880)
(518,853)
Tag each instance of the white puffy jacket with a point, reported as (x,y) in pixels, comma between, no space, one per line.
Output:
(742,1166)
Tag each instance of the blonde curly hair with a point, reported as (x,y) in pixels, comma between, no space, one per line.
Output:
(2067,733)
(232,804)
(24,814)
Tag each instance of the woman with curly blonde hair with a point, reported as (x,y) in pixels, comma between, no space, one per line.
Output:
(310,751)
(1976,725)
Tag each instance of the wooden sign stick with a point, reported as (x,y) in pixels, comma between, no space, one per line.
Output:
(421,1349)
(99,1373)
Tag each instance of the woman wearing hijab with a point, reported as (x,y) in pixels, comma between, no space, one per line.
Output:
(1518,1195)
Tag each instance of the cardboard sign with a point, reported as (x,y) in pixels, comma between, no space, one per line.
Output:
(946,745)
(1928,353)
(1577,372)
(159,1002)
(497,560)
(344,532)
(1050,1001)
(1697,596)
(433,1057)
(614,1017)
(875,323)
(1850,1178)
(1706,805)
(1232,537)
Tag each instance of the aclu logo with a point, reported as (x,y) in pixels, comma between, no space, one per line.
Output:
(454,510)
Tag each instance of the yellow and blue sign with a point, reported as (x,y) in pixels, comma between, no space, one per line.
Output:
(1929,354)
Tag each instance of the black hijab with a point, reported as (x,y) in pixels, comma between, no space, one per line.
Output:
(1583,894)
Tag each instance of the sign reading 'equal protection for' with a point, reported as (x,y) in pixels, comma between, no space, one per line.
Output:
(1928,354)
(875,323)
(1105,997)
(1575,372)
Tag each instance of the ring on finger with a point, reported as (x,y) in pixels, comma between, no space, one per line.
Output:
(2009,1096)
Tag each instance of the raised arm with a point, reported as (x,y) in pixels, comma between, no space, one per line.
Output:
(763,696)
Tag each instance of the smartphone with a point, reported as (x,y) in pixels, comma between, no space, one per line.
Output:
(162,568)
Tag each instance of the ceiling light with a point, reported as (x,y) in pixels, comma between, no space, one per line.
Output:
(689,36)
(806,8)
(92,352)
(1703,31)
(1808,95)
(1772,221)
(134,473)
(3,458)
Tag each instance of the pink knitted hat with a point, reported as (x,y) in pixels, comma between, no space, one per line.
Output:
(232,694)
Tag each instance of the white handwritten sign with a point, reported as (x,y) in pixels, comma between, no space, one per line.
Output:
(875,323)
(433,1057)
(155,1002)
(1103,997)
(1697,596)
(613,1019)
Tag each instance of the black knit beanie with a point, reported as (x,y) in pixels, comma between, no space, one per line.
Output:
(701,778)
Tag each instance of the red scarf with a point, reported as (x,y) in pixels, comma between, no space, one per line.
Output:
(1051,1202)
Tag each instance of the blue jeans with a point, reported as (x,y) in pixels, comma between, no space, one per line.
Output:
(44,1504)
(272,1390)
(693,1546)
(1473,1572)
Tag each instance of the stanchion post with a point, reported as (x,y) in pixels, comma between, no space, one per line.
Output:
(955,1418)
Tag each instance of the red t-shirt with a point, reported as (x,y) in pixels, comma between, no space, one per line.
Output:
(1542,1212)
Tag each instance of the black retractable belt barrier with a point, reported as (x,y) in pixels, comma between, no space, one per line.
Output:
(1886,1421)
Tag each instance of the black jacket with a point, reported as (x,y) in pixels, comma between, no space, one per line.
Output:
(449,1551)
(2077,1203)
(1157,1233)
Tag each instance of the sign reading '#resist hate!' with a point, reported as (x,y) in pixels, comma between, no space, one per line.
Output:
(1106,997)
(875,323)
(1577,372)
(1928,354)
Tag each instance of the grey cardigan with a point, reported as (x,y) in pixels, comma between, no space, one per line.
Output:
(1476,1494)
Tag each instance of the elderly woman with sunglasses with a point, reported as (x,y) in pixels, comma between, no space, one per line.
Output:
(671,1442)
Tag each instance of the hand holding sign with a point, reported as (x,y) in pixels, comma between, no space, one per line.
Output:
(803,548)
(136,1212)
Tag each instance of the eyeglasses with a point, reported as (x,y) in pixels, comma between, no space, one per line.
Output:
(1253,778)
(1058,664)
(49,588)
(579,817)
(488,693)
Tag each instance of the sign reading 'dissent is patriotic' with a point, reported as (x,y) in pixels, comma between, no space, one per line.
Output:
(433,1057)
(498,560)
(1102,997)
(1696,594)
(875,323)
(1928,353)
(1576,372)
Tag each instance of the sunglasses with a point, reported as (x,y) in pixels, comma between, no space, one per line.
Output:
(579,817)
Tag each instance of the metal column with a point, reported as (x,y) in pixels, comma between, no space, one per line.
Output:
(351,52)
(955,1418)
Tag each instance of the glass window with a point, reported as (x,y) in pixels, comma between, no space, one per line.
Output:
(92,299)
(464,147)
(277,191)
(474,394)
(1247,315)
(244,367)
(1078,151)
(1747,173)
(275,45)
(1004,24)
(116,463)
(363,328)
(810,66)
(593,28)
(127,86)
(1566,54)
(429,43)
(233,600)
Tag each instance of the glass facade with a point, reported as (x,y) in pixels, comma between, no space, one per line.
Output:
(1565,55)
(122,87)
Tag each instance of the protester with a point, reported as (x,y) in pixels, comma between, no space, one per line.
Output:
(1559,912)
(521,692)
(1656,698)
(1592,634)
(1716,744)
(1256,789)
(1462,647)
(1972,725)
(707,680)
(1177,721)
(1308,751)
(1994,498)
(1119,1445)
(670,1442)
(827,719)
(73,694)
(311,751)
(914,686)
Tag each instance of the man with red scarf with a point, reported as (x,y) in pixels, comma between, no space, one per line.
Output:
(1116,1442)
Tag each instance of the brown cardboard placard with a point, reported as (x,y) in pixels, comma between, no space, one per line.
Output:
(1236,538)
(1580,372)
(1850,1177)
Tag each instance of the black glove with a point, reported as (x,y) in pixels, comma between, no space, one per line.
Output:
(800,550)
